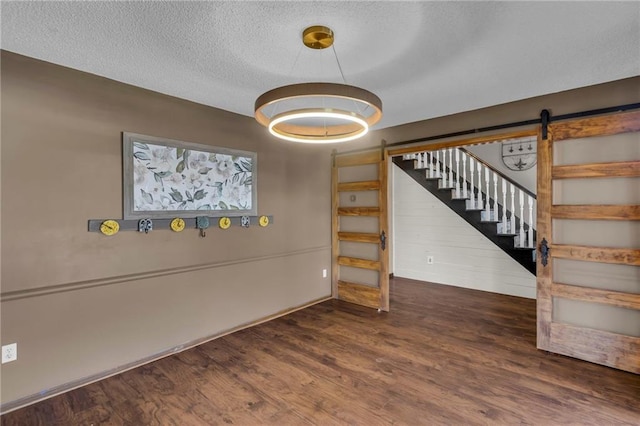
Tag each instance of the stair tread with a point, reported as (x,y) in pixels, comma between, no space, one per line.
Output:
(489,221)
(506,235)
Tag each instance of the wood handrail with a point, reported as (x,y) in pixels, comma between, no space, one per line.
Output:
(498,172)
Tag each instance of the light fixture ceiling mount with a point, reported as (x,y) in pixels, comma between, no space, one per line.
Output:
(317,37)
(318,112)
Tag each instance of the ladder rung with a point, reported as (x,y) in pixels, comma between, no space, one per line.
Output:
(359,263)
(359,211)
(359,237)
(366,185)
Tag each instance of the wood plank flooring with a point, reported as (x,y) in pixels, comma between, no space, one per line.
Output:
(443,355)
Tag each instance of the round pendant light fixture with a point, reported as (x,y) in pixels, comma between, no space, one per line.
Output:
(318,112)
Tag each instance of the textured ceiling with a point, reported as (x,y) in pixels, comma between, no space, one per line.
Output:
(423,59)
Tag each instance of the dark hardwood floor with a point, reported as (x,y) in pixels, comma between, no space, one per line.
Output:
(443,355)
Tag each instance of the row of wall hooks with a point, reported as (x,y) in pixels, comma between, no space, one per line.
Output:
(111,227)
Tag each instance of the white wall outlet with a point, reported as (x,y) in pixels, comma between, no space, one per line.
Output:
(324,273)
(9,352)
(429,260)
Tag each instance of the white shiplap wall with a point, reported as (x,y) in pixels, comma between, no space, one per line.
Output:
(424,226)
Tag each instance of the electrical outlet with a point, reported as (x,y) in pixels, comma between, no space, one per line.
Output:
(9,352)
(429,260)
(324,273)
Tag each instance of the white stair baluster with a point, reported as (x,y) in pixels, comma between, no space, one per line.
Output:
(521,233)
(504,206)
(419,162)
(445,175)
(472,197)
(432,165)
(427,165)
(512,221)
(445,182)
(464,176)
(530,232)
(479,206)
(487,208)
(434,160)
(437,165)
(444,169)
(495,197)
(457,173)
(451,167)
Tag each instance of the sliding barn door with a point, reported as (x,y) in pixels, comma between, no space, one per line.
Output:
(588,265)
(359,244)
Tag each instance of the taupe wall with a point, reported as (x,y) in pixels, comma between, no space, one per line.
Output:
(79,303)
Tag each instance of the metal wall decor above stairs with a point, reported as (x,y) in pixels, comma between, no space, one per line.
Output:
(495,205)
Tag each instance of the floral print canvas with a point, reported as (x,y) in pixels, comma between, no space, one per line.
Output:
(182,178)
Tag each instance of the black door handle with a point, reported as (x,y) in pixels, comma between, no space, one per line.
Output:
(544,252)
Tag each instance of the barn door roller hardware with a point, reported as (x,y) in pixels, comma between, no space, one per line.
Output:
(545,116)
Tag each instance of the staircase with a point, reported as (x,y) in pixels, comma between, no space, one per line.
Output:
(496,206)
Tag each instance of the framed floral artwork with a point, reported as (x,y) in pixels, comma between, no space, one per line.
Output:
(165,178)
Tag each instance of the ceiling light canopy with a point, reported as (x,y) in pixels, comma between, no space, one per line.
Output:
(318,112)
